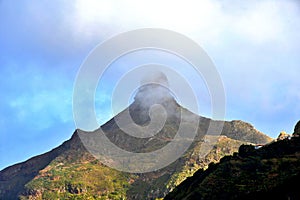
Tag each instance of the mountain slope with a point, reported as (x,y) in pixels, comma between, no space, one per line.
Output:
(70,171)
(272,171)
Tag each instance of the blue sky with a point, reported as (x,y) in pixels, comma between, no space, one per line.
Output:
(255,46)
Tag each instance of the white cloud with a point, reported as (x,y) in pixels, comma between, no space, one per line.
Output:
(206,20)
(253,43)
(97,19)
(265,21)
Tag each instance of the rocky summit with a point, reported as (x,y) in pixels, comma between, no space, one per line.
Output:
(70,171)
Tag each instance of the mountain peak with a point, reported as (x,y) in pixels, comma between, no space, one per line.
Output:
(71,170)
(153,93)
(153,96)
(154,89)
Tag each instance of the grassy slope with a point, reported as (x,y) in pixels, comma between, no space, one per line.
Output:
(85,178)
(269,172)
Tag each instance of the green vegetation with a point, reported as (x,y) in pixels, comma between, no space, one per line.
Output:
(89,180)
(224,147)
(270,172)
(82,177)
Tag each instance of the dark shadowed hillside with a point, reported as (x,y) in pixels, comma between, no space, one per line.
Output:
(270,172)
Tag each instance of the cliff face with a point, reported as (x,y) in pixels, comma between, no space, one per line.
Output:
(70,171)
(270,172)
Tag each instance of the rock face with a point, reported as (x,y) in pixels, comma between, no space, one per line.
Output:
(283,135)
(71,172)
(297,129)
(270,172)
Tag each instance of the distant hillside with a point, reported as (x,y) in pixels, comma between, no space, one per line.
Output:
(71,172)
(269,172)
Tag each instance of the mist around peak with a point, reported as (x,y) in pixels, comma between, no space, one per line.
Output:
(154,89)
